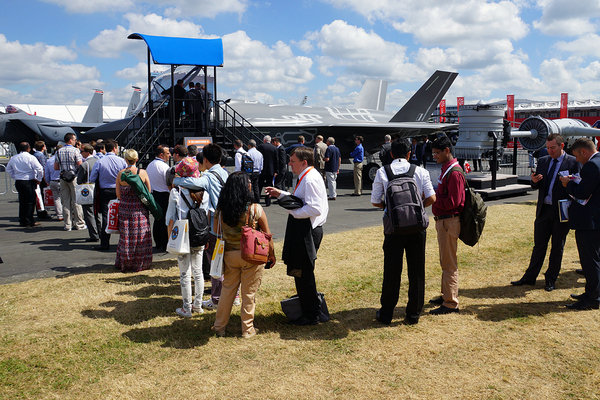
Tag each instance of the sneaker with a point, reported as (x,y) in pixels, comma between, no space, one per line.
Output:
(198,310)
(248,335)
(218,333)
(67,229)
(182,313)
(208,304)
(236,302)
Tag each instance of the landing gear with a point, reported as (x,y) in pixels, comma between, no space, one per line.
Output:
(369,172)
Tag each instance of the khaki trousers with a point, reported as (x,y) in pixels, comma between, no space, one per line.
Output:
(72,212)
(447,234)
(237,271)
(358,168)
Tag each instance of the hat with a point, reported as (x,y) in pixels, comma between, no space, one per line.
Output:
(188,167)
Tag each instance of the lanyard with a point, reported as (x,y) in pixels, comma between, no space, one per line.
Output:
(446,173)
(302,177)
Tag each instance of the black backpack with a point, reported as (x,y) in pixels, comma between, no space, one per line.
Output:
(405,213)
(199,226)
(472,216)
(247,163)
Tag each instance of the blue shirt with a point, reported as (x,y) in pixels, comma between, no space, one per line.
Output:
(333,153)
(210,183)
(358,153)
(292,147)
(106,169)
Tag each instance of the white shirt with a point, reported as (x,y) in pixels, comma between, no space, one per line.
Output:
(157,173)
(257,157)
(311,190)
(25,167)
(238,159)
(400,166)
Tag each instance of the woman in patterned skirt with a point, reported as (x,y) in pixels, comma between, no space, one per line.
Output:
(134,251)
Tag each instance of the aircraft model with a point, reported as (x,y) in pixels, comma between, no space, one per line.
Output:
(17,126)
(367,119)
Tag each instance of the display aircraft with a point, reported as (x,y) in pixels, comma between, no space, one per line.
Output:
(18,126)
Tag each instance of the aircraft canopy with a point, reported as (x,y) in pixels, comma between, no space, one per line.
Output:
(183,51)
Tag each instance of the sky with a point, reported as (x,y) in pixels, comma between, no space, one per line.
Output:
(59,51)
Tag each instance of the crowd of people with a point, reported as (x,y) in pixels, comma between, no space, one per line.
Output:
(199,179)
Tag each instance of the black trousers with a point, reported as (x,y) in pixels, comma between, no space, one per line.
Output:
(106,195)
(255,187)
(547,225)
(26,190)
(588,246)
(279,180)
(394,247)
(306,287)
(159,228)
(265,181)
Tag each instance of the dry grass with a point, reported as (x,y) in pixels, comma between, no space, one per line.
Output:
(107,335)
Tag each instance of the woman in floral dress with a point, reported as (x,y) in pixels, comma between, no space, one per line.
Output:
(134,251)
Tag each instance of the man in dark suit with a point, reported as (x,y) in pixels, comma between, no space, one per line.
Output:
(281,163)
(584,217)
(416,153)
(547,222)
(270,166)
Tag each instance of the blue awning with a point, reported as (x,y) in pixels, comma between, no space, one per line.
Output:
(183,51)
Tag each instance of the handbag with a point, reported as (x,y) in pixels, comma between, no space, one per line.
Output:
(179,239)
(292,309)
(216,264)
(39,201)
(254,243)
(67,176)
(112,222)
(84,193)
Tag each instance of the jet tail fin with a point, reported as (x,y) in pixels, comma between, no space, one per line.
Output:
(422,104)
(134,102)
(93,115)
(372,95)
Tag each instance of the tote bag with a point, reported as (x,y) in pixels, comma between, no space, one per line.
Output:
(84,193)
(179,239)
(39,201)
(112,222)
(48,197)
(216,264)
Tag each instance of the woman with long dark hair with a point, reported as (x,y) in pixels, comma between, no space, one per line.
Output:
(235,206)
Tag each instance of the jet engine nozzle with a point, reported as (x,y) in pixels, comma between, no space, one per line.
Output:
(534,130)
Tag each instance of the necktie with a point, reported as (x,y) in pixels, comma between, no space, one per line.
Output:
(550,175)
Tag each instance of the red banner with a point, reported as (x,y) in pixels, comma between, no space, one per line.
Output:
(510,108)
(460,101)
(564,100)
(442,110)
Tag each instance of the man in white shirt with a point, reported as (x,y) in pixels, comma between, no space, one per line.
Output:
(304,231)
(27,173)
(257,159)
(394,245)
(239,151)
(157,173)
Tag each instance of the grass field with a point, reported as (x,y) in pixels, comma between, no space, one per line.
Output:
(108,335)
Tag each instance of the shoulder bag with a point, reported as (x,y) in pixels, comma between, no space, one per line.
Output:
(254,243)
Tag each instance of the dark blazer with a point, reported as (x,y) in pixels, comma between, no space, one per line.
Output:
(558,191)
(588,216)
(270,159)
(282,159)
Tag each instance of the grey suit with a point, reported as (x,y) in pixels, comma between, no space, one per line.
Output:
(92,219)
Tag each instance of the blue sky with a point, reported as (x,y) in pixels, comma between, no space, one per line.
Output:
(58,51)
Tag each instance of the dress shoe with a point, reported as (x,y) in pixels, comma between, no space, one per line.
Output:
(379,319)
(437,300)
(549,286)
(583,305)
(523,281)
(443,310)
(89,240)
(100,248)
(355,194)
(579,271)
(578,296)
(34,225)
(331,198)
(411,320)
(303,321)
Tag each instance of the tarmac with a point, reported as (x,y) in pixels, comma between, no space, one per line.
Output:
(50,251)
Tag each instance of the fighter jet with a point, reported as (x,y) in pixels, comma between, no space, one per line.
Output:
(17,126)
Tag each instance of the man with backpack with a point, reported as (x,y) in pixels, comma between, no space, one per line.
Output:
(243,162)
(450,200)
(404,191)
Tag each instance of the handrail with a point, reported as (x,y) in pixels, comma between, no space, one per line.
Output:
(136,115)
(233,122)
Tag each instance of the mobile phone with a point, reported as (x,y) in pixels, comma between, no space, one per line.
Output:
(269,264)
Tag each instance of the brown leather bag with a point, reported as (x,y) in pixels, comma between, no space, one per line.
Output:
(254,243)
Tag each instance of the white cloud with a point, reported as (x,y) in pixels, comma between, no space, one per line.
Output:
(111,43)
(34,64)
(567,18)
(586,45)
(172,8)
